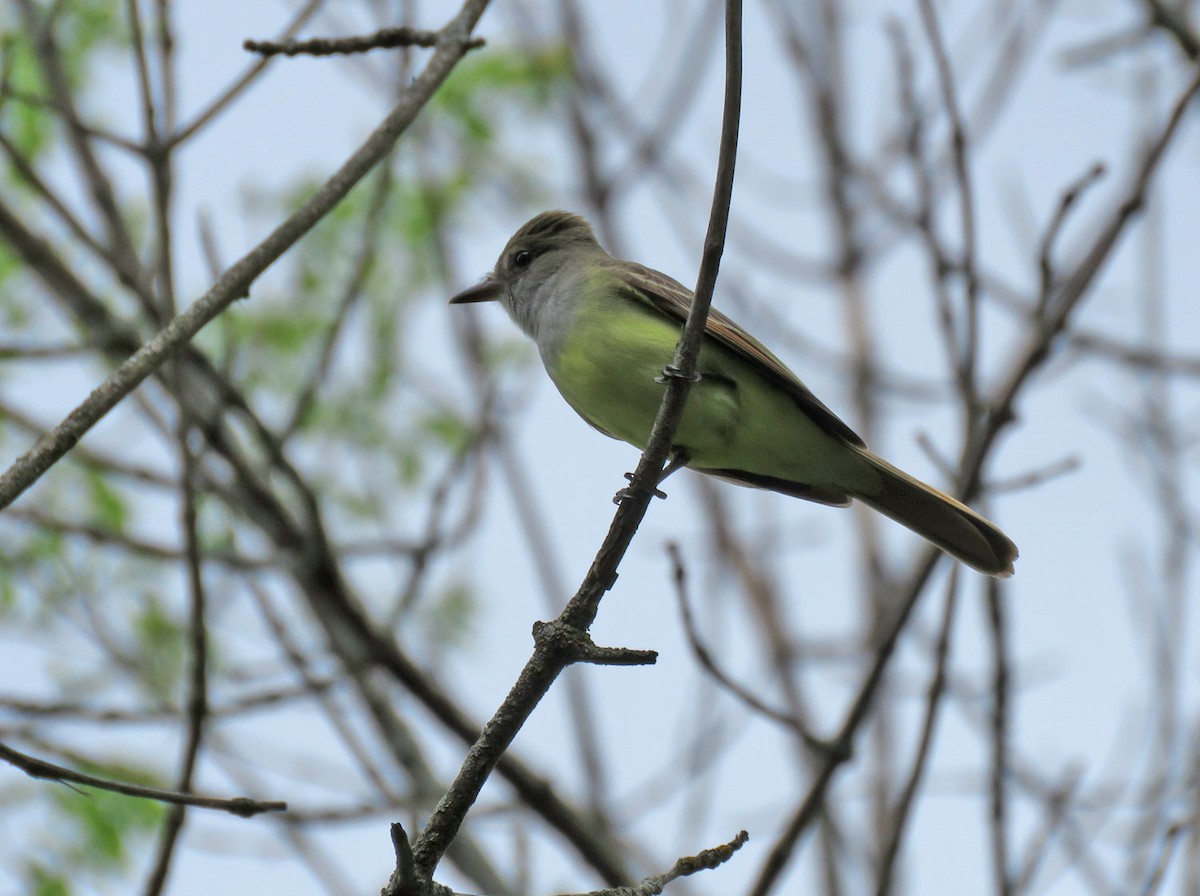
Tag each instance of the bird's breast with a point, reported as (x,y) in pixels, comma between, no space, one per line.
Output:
(607,367)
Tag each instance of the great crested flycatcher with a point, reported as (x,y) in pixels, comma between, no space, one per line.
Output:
(605,329)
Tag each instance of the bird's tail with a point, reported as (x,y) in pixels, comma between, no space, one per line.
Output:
(938,518)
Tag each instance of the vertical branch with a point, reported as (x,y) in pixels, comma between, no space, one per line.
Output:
(360,269)
(155,124)
(158,123)
(165,37)
(820,60)
(933,703)
(598,187)
(998,779)
(196,702)
(161,158)
(142,68)
(99,185)
(964,358)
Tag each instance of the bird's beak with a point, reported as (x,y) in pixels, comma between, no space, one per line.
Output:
(487,290)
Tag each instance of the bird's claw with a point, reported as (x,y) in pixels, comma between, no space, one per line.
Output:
(625,493)
(671,372)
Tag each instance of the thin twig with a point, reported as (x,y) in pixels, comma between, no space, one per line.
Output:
(1175,23)
(1067,202)
(99,184)
(82,712)
(933,704)
(705,658)
(48,771)
(130,544)
(224,99)
(998,778)
(196,707)
(1057,804)
(384,39)
(1038,476)
(964,361)
(688,865)
(57,204)
(352,293)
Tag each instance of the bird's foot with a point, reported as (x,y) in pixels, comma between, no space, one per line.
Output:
(678,460)
(625,493)
(671,372)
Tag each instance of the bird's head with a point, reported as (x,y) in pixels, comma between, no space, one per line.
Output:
(536,252)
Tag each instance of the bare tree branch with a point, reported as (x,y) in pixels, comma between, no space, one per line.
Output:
(243,807)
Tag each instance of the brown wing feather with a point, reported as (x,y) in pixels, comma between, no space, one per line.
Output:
(670,297)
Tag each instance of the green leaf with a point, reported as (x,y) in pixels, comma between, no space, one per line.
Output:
(409,465)
(161,648)
(84,30)
(41,881)
(469,96)
(105,822)
(450,619)
(450,430)
(108,506)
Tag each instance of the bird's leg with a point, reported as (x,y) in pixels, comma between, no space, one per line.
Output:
(678,459)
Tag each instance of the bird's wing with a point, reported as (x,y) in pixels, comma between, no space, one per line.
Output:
(670,297)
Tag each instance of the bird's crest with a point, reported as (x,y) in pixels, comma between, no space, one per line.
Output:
(555,225)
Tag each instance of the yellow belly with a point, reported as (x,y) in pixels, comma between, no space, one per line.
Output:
(607,371)
(735,419)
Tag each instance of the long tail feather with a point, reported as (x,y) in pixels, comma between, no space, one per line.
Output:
(952,526)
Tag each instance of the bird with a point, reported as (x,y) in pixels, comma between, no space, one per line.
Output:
(605,328)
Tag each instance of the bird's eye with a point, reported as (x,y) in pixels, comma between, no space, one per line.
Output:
(522,259)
